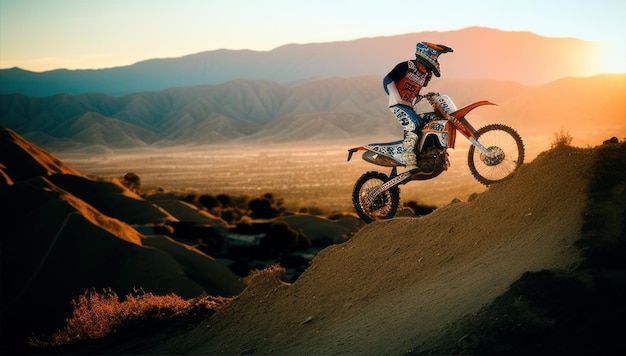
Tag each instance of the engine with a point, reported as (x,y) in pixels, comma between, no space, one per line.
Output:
(433,161)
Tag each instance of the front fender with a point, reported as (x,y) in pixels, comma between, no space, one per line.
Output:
(462,112)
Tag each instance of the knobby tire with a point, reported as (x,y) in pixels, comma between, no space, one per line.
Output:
(384,206)
(496,137)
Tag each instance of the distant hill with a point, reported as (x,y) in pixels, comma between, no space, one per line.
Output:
(331,108)
(479,53)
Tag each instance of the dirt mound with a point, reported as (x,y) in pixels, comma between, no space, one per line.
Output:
(399,285)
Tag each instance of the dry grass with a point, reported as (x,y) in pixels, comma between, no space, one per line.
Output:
(97,315)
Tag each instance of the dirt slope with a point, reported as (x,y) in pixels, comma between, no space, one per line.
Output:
(398,284)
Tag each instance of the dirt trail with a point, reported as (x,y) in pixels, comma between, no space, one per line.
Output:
(399,282)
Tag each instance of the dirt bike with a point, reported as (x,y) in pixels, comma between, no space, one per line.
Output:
(496,152)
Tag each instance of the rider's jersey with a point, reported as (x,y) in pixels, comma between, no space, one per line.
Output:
(409,80)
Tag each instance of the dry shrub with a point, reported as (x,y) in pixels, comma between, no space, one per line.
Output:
(561,139)
(265,279)
(272,272)
(97,315)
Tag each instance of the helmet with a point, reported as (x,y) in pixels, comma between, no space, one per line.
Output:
(427,54)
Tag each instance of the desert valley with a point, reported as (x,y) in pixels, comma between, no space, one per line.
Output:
(533,264)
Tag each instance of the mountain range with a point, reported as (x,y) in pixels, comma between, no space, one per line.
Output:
(312,92)
(479,53)
(323,109)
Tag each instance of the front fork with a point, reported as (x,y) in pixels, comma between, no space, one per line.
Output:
(482,148)
(468,131)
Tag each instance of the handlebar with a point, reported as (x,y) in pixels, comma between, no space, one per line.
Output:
(439,111)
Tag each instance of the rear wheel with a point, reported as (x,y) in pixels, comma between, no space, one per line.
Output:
(506,154)
(370,207)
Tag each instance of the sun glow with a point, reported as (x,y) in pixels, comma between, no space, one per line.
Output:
(611,55)
(612,58)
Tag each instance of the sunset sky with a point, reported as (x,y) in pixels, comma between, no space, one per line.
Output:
(42,35)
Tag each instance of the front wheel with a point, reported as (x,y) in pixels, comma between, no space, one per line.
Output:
(506,154)
(370,207)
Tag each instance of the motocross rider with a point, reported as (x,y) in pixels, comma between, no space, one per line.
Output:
(403,85)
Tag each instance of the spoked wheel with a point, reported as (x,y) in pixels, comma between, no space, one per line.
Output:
(506,154)
(369,206)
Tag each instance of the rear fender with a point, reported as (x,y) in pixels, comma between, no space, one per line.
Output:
(351,151)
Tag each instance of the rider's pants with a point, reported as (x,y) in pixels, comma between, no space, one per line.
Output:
(412,124)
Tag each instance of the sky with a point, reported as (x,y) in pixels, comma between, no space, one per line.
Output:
(41,35)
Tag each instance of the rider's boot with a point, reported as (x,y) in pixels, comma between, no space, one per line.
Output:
(408,156)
